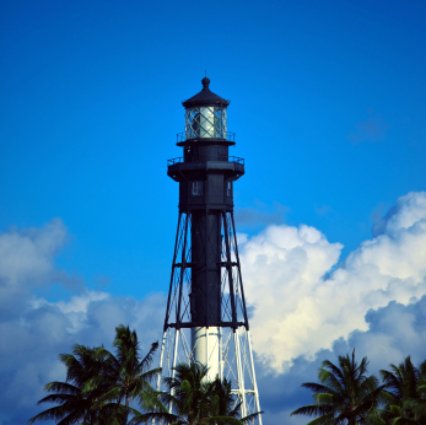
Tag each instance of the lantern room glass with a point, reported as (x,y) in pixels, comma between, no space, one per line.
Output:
(205,122)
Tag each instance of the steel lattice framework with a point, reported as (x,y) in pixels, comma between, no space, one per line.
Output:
(234,336)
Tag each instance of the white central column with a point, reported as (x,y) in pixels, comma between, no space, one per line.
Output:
(206,348)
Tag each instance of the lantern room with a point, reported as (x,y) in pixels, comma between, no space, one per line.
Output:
(205,115)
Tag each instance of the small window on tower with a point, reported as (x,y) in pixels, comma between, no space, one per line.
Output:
(228,189)
(197,188)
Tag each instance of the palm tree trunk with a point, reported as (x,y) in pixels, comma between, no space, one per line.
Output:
(126,413)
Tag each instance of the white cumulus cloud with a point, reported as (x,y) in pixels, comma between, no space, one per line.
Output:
(302,305)
(26,255)
(34,330)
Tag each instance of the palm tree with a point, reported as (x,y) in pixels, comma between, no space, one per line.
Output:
(188,395)
(405,393)
(100,387)
(81,398)
(224,408)
(222,400)
(197,401)
(130,374)
(346,395)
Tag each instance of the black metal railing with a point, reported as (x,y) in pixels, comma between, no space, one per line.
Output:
(236,159)
(229,137)
(175,160)
(178,159)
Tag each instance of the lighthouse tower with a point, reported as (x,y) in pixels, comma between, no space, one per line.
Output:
(206,315)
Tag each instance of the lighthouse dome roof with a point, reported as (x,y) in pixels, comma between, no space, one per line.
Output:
(205,97)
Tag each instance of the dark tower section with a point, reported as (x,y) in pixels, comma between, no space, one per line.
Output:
(206,174)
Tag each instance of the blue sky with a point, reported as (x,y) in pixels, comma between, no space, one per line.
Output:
(328,101)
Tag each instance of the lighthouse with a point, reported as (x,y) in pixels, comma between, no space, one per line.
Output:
(206,315)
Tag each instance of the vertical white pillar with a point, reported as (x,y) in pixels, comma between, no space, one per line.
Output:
(253,374)
(240,374)
(206,348)
(174,362)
